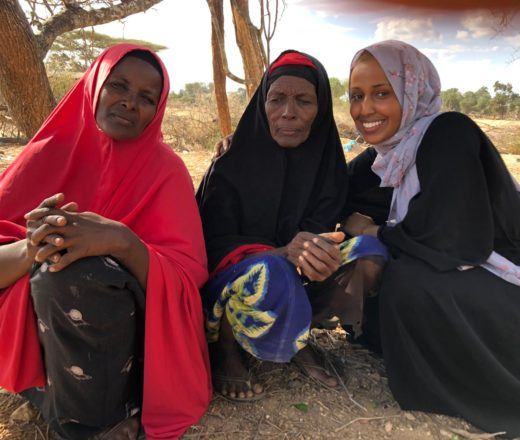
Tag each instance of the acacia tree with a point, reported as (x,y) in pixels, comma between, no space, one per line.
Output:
(26,40)
(253,43)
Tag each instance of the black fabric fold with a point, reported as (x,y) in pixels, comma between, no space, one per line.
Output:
(465,211)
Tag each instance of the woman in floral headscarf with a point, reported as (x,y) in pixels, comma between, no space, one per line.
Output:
(450,297)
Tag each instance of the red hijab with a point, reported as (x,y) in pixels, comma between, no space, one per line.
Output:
(143,184)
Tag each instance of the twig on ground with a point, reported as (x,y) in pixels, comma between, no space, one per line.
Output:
(39,431)
(273,425)
(349,394)
(475,435)
(216,433)
(366,419)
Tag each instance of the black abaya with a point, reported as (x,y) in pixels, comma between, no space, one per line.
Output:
(450,338)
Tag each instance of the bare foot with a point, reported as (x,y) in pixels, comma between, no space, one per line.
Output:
(128,429)
(312,365)
(231,376)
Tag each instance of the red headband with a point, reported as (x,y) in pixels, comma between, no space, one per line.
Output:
(292,58)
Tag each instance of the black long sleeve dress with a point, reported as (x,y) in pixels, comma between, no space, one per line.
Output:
(451,338)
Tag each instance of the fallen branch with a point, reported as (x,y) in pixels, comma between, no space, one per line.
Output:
(365,419)
(475,435)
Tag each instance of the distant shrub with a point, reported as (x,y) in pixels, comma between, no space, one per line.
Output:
(62,82)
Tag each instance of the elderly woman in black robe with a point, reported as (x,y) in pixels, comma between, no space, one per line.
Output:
(268,207)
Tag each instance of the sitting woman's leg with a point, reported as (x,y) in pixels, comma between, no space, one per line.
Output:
(343,294)
(258,306)
(450,342)
(90,320)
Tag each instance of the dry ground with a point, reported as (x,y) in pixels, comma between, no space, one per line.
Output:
(295,407)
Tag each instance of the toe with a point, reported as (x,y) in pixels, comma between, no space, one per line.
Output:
(257,388)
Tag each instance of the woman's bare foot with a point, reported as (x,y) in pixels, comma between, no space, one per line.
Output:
(127,429)
(231,376)
(311,365)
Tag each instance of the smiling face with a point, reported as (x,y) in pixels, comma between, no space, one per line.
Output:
(128,99)
(374,107)
(291,106)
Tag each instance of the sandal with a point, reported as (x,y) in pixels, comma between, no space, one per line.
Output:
(222,378)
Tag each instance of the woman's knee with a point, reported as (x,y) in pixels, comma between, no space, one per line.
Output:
(90,286)
(403,288)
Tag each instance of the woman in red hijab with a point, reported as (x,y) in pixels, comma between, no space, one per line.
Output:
(83,283)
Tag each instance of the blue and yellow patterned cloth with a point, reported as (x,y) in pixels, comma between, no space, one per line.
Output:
(266,304)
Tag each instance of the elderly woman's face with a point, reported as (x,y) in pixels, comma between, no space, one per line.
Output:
(291,107)
(128,99)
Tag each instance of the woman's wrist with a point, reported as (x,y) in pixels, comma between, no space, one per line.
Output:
(124,243)
(371,230)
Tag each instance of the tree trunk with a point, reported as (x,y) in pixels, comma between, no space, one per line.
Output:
(249,43)
(219,75)
(23,80)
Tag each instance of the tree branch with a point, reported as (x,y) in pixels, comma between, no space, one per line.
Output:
(74,17)
(219,33)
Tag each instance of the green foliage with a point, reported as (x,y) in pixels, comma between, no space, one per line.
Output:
(303,407)
(192,91)
(62,82)
(505,103)
(75,51)
(338,88)
(468,103)
(451,99)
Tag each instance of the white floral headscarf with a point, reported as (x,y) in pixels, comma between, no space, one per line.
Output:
(416,84)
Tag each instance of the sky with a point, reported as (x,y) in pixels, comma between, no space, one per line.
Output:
(463,45)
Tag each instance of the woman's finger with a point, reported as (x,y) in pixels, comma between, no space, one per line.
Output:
(70,207)
(40,233)
(332,250)
(307,269)
(39,213)
(46,252)
(336,237)
(52,201)
(324,267)
(54,239)
(323,256)
(66,259)
(55,220)
(31,225)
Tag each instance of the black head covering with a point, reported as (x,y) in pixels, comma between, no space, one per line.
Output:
(259,192)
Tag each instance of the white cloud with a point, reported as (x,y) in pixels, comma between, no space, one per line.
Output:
(407,29)
(462,35)
(334,45)
(479,24)
(514,40)
(473,74)
(445,53)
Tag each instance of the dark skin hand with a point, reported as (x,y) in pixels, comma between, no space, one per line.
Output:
(359,224)
(85,234)
(222,146)
(16,259)
(317,256)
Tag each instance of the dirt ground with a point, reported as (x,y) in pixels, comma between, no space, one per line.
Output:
(295,407)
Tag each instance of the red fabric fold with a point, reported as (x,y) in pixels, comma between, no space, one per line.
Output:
(144,185)
(239,254)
